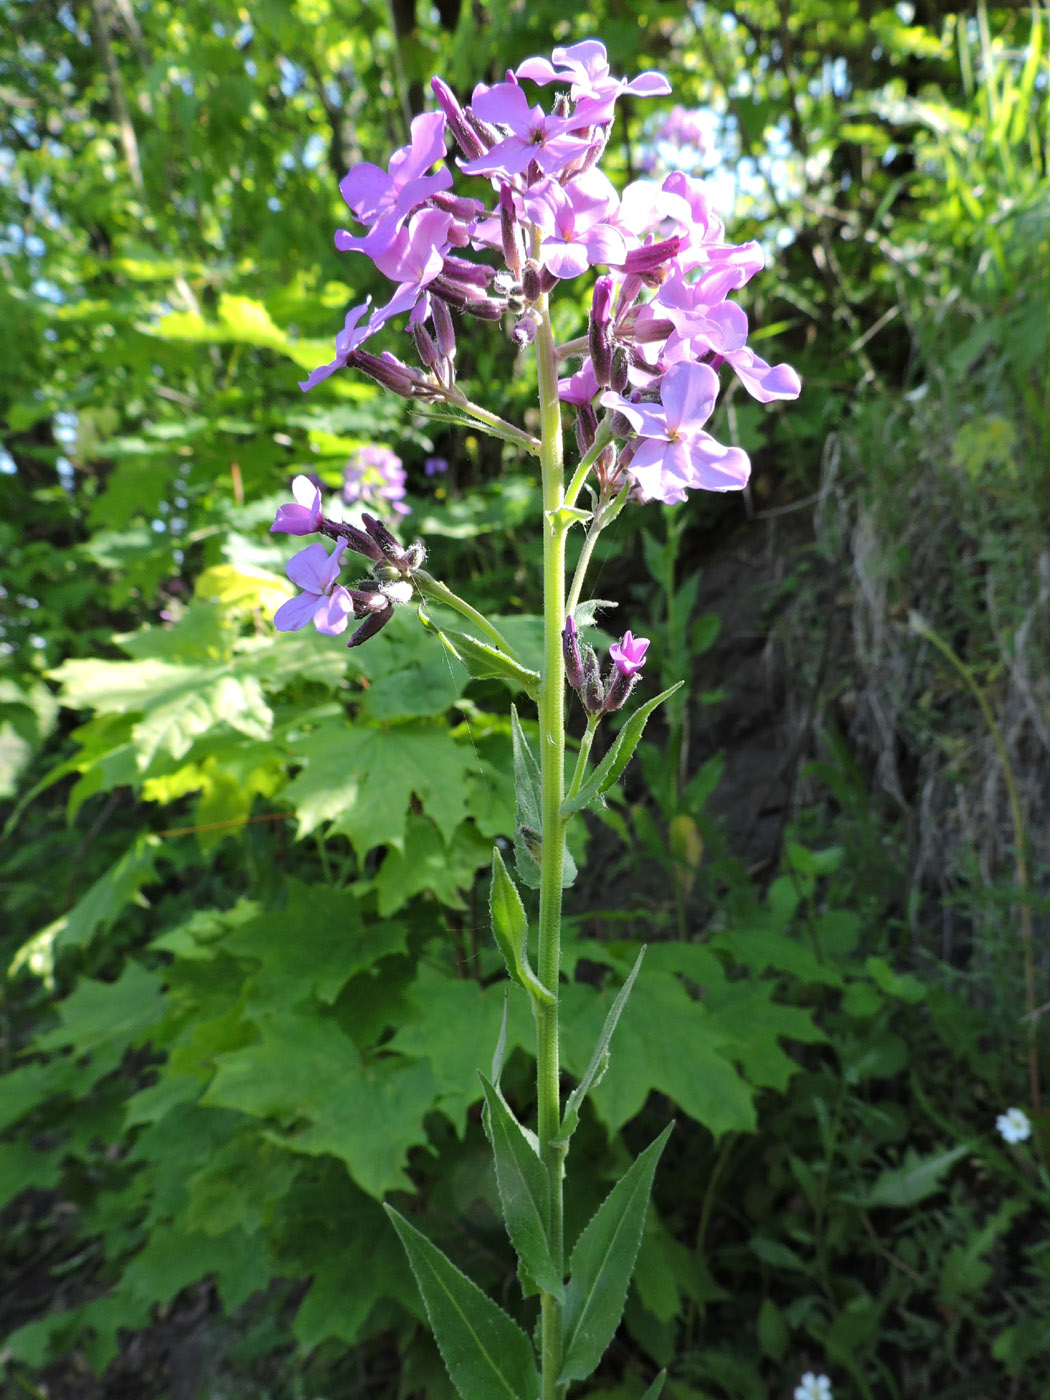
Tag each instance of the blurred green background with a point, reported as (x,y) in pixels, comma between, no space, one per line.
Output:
(248,973)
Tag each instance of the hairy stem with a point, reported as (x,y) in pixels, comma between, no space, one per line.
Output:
(552,855)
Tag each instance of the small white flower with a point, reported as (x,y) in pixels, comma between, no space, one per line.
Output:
(1013,1125)
(813,1387)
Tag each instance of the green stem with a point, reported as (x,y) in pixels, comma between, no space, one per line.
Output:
(499,427)
(552,853)
(582,757)
(433,588)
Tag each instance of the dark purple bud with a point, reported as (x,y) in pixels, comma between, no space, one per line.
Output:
(548,281)
(378,532)
(599,331)
(592,694)
(618,376)
(443,327)
(388,371)
(621,426)
(458,205)
(586,427)
(486,310)
(652,257)
(530,282)
(513,243)
(462,270)
(373,623)
(425,347)
(573,659)
(619,688)
(464,134)
(355,538)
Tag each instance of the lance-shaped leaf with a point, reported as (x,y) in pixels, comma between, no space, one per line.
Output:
(656,1389)
(600,1058)
(486,1353)
(602,1264)
(528,819)
(618,757)
(524,1191)
(480,659)
(510,924)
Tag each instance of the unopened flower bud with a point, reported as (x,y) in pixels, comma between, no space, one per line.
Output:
(469,143)
(599,331)
(510,229)
(443,328)
(592,692)
(586,427)
(388,371)
(618,373)
(530,282)
(573,659)
(425,347)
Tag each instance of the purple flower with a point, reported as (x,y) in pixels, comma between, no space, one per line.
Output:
(323,602)
(434,466)
(383,199)
(628,654)
(534,136)
(573,218)
(346,342)
(674,453)
(374,476)
(594,89)
(304,517)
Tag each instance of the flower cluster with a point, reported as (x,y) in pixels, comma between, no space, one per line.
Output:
(583,672)
(326,602)
(374,476)
(661,325)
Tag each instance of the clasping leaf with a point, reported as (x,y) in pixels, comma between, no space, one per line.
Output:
(511,927)
(602,1264)
(481,660)
(486,1353)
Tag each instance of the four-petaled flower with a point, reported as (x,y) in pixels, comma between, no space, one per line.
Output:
(323,601)
(628,654)
(1014,1125)
(675,453)
(813,1387)
(304,517)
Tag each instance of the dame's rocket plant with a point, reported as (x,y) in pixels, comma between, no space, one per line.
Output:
(641,381)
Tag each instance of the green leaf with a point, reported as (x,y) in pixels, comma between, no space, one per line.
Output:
(602,1264)
(524,1190)
(487,1354)
(618,757)
(918,1178)
(482,660)
(656,1389)
(528,811)
(600,1058)
(511,928)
